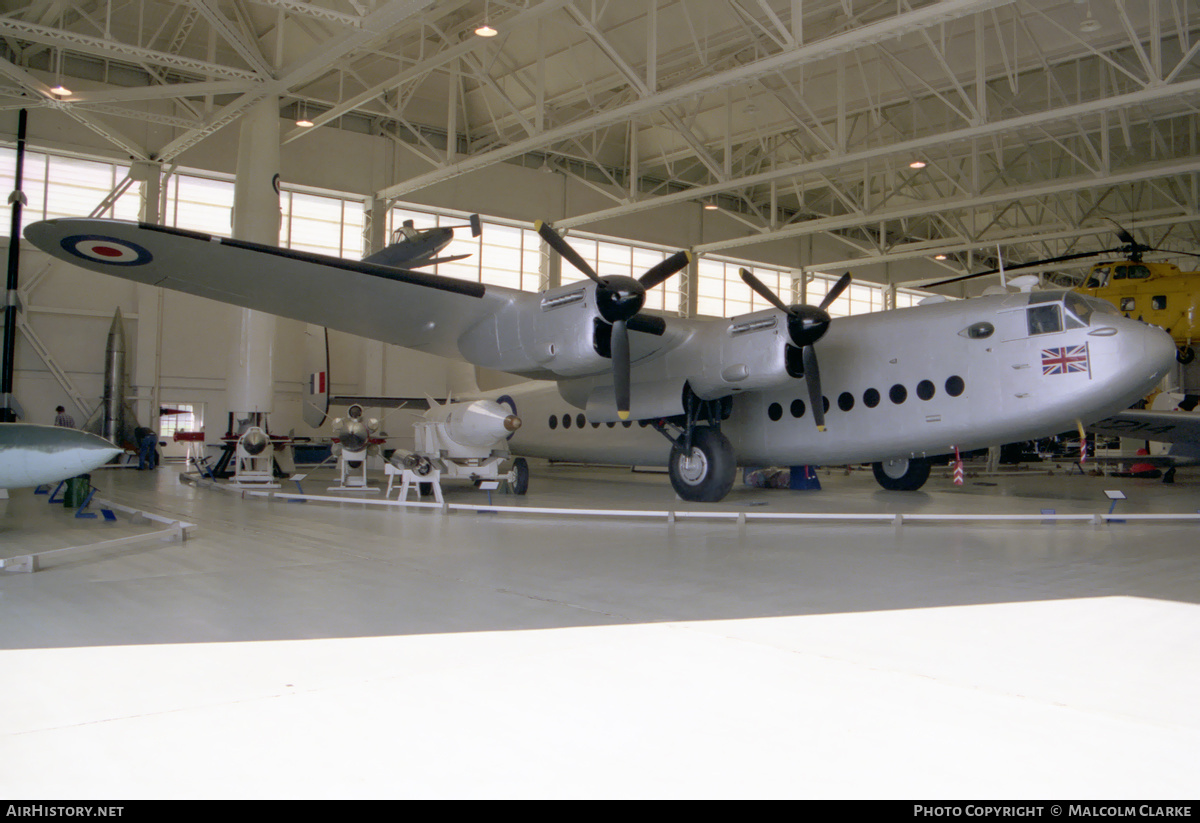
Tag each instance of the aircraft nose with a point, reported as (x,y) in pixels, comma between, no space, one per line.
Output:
(1155,356)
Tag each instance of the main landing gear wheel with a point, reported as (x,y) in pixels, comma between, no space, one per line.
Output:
(1185,354)
(706,474)
(520,476)
(902,474)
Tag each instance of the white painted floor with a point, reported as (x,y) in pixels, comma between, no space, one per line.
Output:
(316,650)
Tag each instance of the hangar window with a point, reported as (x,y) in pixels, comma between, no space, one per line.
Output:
(797,408)
(871,398)
(955,385)
(898,394)
(925,390)
(775,411)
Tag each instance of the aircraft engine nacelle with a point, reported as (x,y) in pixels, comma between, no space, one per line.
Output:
(563,333)
(466,430)
(751,353)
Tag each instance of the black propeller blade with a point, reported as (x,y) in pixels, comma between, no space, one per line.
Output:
(619,299)
(806,325)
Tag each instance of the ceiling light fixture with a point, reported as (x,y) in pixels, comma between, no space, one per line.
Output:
(486,30)
(1089,24)
(59,89)
(917,164)
(302,121)
(939,257)
(710,206)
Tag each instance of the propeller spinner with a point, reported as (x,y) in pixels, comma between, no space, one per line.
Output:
(806,325)
(619,298)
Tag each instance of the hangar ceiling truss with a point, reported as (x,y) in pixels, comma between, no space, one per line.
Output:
(1039,122)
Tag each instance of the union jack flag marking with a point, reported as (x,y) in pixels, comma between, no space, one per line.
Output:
(1065,360)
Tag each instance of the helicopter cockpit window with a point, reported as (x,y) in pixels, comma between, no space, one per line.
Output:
(1128,304)
(1044,319)
(1131,272)
(1098,277)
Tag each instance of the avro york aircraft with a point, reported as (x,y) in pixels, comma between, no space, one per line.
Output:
(892,388)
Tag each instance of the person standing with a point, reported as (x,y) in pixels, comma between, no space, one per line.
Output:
(147,447)
(62,419)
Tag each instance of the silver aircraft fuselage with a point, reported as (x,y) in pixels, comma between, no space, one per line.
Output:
(906,383)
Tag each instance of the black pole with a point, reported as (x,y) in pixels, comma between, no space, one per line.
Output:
(17,199)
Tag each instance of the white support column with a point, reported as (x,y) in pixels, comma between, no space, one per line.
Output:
(250,383)
(147,343)
(374,353)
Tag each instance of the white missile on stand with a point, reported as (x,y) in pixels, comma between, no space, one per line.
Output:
(466,441)
(473,429)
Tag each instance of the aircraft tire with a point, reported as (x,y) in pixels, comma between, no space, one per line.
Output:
(706,475)
(520,471)
(1185,354)
(902,475)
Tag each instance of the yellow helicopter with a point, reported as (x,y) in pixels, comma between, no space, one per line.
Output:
(1161,294)
(1157,293)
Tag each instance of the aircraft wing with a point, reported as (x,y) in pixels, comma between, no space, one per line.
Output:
(1160,426)
(407,308)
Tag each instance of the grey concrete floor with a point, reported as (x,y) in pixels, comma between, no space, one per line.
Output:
(337,650)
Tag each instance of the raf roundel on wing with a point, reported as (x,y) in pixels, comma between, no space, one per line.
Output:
(100,249)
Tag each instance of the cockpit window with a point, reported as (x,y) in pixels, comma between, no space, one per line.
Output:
(1131,272)
(1077,310)
(1044,319)
(1098,277)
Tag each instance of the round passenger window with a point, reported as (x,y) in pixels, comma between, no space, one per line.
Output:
(955,385)
(871,398)
(566,421)
(898,394)
(775,411)
(925,389)
(797,408)
(553,422)
(845,401)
